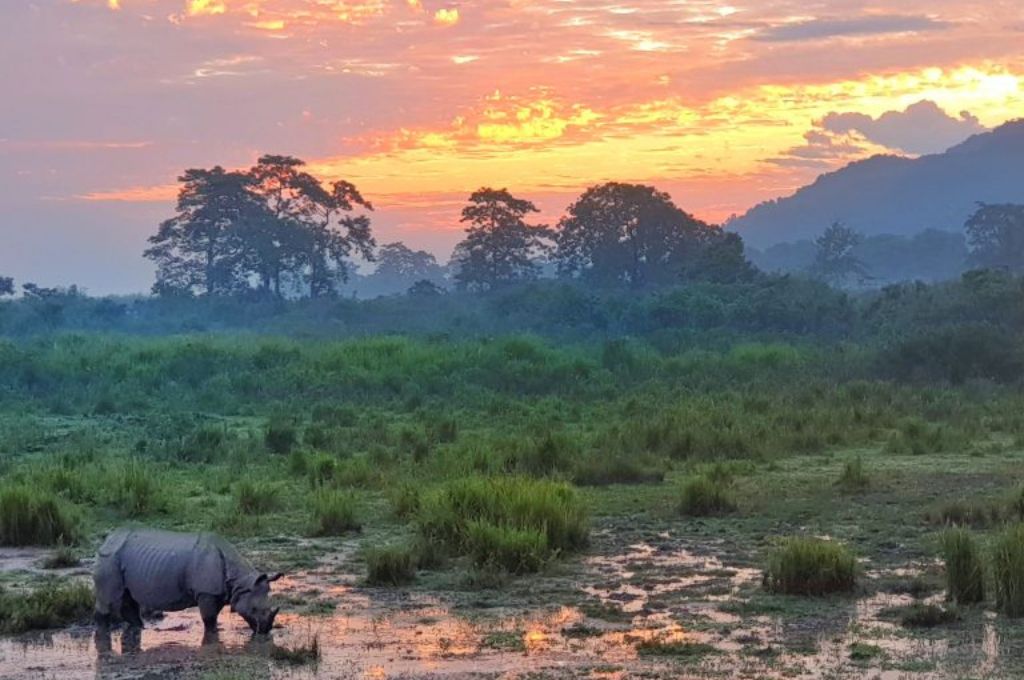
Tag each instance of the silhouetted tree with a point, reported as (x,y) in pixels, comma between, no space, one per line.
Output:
(399,267)
(275,246)
(6,286)
(425,288)
(500,246)
(629,234)
(834,259)
(720,258)
(995,233)
(200,249)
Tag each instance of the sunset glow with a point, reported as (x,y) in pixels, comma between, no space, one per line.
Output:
(723,103)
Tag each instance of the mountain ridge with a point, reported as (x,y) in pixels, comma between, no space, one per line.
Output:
(897,194)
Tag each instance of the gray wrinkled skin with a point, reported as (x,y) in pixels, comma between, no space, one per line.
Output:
(170,571)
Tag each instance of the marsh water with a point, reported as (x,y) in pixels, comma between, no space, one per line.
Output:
(651,608)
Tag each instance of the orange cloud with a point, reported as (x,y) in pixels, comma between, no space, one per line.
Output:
(446,16)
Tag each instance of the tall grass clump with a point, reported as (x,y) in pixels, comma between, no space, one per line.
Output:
(965,570)
(256,497)
(511,523)
(31,516)
(810,566)
(705,496)
(390,565)
(49,606)
(853,477)
(1008,571)
(334,513)
(137,489)
(604,469)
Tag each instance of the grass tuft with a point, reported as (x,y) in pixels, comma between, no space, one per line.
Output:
(810,566)
(334,513)
(31,516)
(255,497)
(853,477)
(1008,571)
(514,523)
(49,606)
(307,653)
(390,565)
(965,571)
(705,496)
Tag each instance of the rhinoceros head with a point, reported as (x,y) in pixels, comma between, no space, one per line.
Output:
(251,602)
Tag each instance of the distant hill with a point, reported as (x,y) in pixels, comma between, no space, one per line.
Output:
(896,195)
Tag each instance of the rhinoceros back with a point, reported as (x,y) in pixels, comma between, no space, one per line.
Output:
(166,570)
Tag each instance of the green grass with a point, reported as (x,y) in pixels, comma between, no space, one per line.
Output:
(853,477)
(920,615)
(307,653)
(704,496)
(31,516)
(505,522)
(1008,571)
(390,565)
(137,489)
(810,566)
(50,605)
(965,569)
(684,651)
(256,497)
(63,557)
(335,513)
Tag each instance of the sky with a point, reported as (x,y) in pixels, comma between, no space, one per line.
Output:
(722,103)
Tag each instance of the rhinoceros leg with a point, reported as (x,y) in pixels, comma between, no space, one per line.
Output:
(130,610)
(209,610)
(109,588)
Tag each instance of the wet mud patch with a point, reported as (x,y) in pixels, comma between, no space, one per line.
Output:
(653,605)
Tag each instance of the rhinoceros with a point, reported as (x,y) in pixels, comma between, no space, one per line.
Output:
(171,571)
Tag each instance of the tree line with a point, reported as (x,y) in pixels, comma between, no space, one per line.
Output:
(277,229)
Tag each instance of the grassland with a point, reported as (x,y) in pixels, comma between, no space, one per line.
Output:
(459,466)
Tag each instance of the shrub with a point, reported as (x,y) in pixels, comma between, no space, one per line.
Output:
(810,566)
(31,516)
(334,513)
(392,565)
(704,497)
(49,606)
(1008,570)
(965,572)
(853,478)
(257,497)
(280,438)
(472,514)
(692,651)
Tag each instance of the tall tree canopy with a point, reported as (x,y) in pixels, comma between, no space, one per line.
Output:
(6,286)
(276,226)
(995,234)
(199,249)
(500,246)
(627,234)
(399,267)
(834,259)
